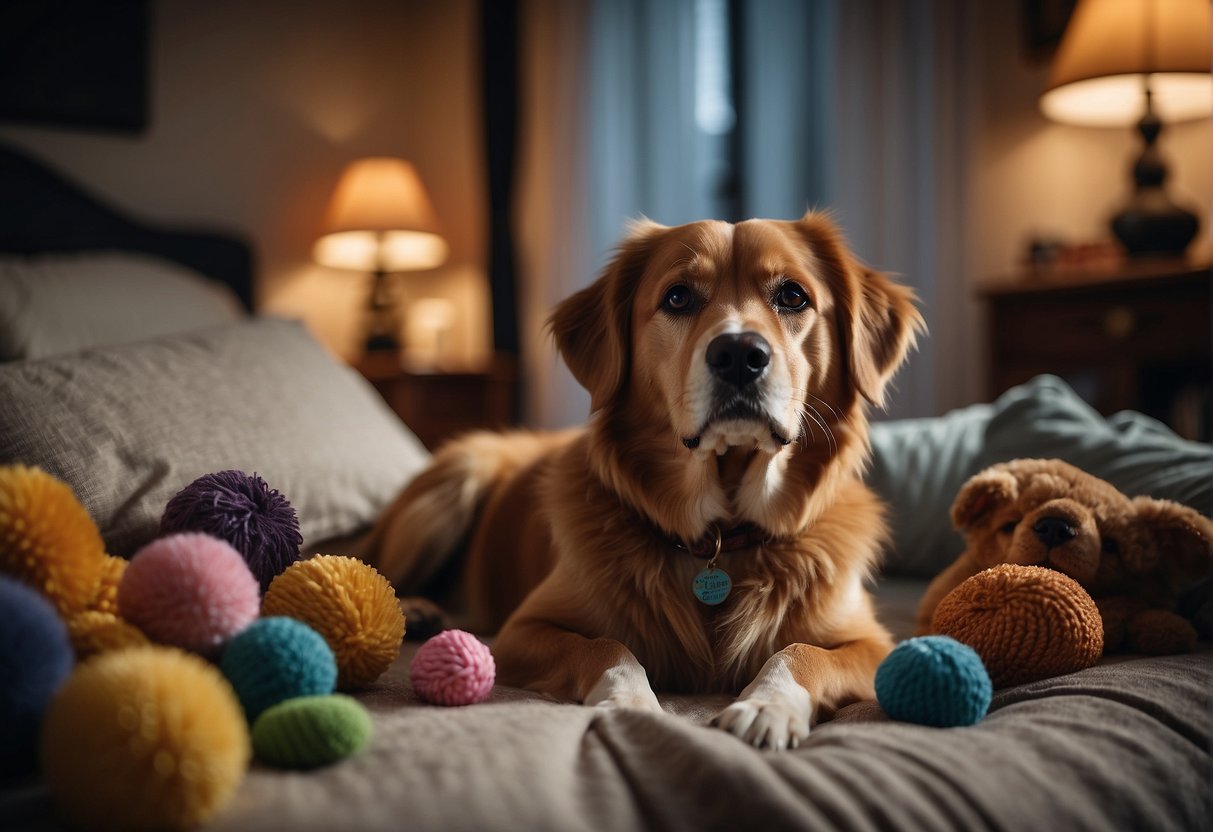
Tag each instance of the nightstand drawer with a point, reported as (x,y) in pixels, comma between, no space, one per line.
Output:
(1150,325)
(439,405)
(1137,339)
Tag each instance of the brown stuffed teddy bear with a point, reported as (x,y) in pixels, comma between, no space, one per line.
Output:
(1134,556)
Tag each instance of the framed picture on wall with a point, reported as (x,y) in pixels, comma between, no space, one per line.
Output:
(75,63)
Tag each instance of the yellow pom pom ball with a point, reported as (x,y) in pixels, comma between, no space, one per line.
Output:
(106,597)
(351,605)
(47,539)
(144,738)
(92,632)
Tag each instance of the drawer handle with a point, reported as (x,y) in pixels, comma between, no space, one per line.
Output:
(1119,322)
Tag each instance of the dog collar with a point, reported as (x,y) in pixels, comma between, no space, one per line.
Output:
(712,585)
(718,540)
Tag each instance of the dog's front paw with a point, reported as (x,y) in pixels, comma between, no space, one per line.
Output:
(766,723)
(624,687)
(422,618)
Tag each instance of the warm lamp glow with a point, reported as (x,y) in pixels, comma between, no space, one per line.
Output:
(1111,46)
(380,219)
(369,250)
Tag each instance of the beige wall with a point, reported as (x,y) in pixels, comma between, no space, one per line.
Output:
(256,106)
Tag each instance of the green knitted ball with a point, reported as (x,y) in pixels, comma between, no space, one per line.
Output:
(276,659)
(311,731)
(934,680)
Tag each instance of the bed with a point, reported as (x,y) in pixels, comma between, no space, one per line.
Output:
(128,414)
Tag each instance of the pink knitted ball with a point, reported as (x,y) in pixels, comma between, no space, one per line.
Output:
(453,668)
(189,590)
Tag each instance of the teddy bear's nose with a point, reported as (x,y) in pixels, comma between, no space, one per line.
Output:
(1054,531)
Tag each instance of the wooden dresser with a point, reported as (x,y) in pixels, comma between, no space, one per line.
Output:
(1135,338)
(437,405)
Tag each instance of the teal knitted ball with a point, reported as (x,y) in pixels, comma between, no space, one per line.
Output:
(311,731)
(275,659)
(934,680)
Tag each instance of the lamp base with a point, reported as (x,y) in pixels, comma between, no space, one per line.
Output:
(383,317)
(1153,225)
(381,342)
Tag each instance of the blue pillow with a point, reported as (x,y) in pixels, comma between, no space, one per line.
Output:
(918,465)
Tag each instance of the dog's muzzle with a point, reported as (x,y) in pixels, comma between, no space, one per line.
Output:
(737,360)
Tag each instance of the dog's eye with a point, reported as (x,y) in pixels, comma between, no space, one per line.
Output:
(791,297)
(1109,546)
(1008,528)
(678,298)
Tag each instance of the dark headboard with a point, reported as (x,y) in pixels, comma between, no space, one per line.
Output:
(41,211)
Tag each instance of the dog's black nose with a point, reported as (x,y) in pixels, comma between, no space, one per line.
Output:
(738,358)
(1054,531)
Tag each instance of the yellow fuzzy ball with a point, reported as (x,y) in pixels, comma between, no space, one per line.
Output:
(47,539)
(144,738)
(92,632)
(106,597)
(351,605)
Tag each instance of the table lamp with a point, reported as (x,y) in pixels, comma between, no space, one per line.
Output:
(380,220)
(1143,61)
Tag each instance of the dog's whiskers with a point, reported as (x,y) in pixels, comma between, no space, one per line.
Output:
(838,417)
(820,420)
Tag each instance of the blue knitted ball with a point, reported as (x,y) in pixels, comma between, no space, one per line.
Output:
(255,519)
(934,680)
(35,659)
(276,659)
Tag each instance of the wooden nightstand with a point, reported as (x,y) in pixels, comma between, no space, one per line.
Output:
(437,405)
(1137,338)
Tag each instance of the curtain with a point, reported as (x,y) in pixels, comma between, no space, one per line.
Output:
(856,106)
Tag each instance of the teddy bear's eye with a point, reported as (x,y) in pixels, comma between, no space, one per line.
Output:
(1109,546)
(1007,528)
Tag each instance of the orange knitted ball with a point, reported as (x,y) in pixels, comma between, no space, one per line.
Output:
(47,539)
(350,604)
(1026,623)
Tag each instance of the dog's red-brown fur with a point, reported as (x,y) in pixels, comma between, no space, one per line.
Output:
(570,549)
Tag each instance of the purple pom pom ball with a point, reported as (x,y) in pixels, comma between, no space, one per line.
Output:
(255,519)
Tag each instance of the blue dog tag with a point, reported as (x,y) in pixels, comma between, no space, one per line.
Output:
(711,586)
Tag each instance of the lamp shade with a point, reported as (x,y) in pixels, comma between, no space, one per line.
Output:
(1096,78)
(380,218)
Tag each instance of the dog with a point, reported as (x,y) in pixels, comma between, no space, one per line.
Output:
(708,530)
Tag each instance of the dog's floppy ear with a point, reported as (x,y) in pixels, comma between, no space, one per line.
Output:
(593,327)
(1183,538)
(985,491)
(877,317)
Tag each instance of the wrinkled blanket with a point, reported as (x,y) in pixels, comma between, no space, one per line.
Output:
(1124,745)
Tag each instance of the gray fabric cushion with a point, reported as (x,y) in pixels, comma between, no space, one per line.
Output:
(918,465)
(56,303)
(128,426)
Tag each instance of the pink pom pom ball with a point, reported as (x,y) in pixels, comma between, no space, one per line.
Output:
(189,590)
(453,668)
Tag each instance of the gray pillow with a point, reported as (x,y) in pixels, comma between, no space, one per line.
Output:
(919,465)
(56,303)
(128,426)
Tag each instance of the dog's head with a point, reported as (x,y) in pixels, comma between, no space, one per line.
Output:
(1047,512)
(757,335)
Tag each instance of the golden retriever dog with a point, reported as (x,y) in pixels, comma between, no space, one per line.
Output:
(708,531)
